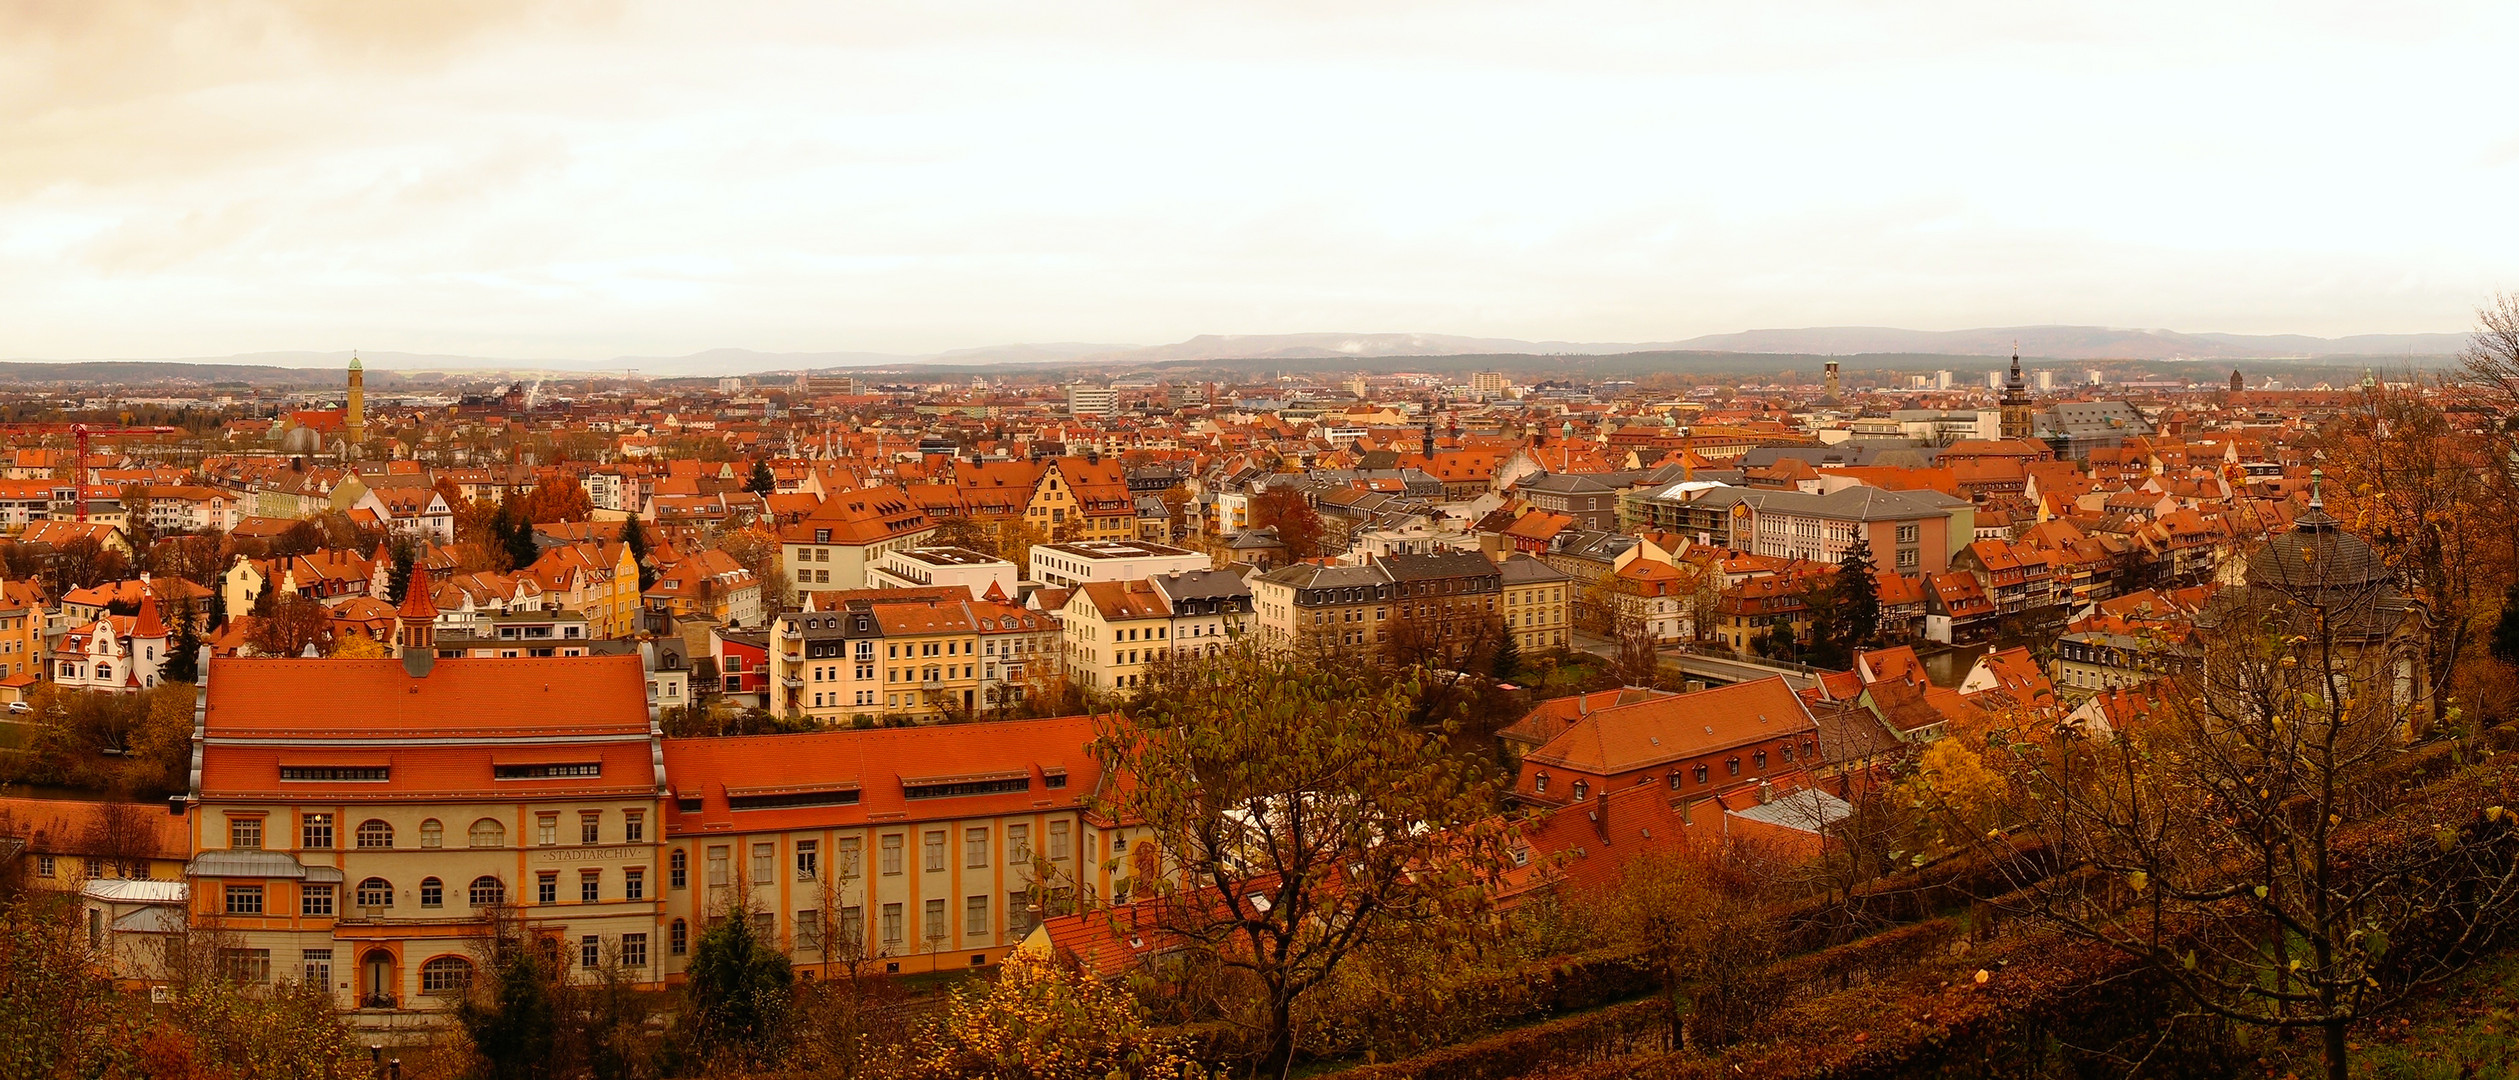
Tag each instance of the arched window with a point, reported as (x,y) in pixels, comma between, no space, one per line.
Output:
(375,834)
(1581,789)
(432,833)
(376,892)
(1539,783)
(680,937)
(432,893)
(1733,765)
(1700,771)
(446,975)
(1760,759)
(487,832)
(487,891)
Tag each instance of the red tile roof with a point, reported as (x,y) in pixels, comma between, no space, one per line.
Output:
(368,699)
(879,762)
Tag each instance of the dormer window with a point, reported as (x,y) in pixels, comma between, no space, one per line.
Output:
(1540,783)
(1581,790)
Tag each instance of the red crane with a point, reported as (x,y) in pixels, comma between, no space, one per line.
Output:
(80,432)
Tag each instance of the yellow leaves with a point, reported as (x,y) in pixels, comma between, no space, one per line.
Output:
(1983,975)
(2137,880)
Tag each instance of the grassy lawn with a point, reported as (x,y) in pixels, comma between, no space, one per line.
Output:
(2469,1028)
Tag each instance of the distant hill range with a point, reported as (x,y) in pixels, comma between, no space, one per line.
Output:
(1878,346)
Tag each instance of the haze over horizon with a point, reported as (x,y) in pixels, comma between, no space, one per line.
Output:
(582,179)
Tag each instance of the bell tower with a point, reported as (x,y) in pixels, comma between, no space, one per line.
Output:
(2017,409)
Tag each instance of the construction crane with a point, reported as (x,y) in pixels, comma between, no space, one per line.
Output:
(80,433)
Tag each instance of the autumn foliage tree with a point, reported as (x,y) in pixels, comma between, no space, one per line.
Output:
(291,623)
(556,499)
(2427,497)
(1292,815)
(1043,1019)
(2207,831)
(1298,525)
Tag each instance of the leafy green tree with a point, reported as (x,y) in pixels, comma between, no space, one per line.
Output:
(514,1025)
(398,580)
(1506,661)
(516,536)
(761,482)
(183,659)
(1858,596)
(2506,630)
(636,538)
(1291,814)
(739,990)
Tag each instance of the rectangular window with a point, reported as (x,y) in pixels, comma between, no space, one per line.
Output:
(546,829)
(809,931)
(1018,844)
(892,854)
(634,826)
(547,887)
(590,827)
(334,774)
(892,926)
(678,869)
(590,952)
(717,868)
(852,930)
(550,771)
(315,832)
(314,901)
(971,787)
(849,855)
(975,916)
(765,928)
(764,863)
(318,968)
(244,833)
(974,848)
(933,927)
(589,886)
(808,860)
(248,966)
(244,899)
(634,883)
(634,950)
(934,851)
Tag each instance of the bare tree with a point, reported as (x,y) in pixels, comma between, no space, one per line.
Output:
(2205,836)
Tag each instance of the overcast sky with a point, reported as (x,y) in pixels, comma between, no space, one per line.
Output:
(584,178)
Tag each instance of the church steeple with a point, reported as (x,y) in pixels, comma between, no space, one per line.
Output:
(2018,411)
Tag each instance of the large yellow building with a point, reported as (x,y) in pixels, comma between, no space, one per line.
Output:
(919,654)
(1115,630)
(358,824)
(1537,602)
(895,850)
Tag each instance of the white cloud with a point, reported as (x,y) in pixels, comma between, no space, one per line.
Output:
(587,179)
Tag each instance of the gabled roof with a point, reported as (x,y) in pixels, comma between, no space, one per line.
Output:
(1621,739)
